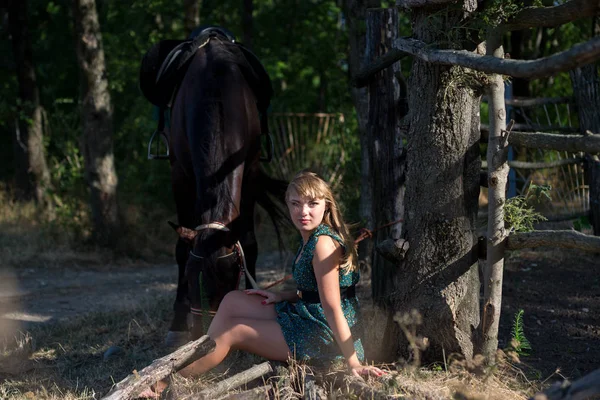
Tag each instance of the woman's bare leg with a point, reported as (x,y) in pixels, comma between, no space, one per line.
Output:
(241,322)
(258,336)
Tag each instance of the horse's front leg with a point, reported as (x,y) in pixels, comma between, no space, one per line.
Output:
(179,331)
(250,247)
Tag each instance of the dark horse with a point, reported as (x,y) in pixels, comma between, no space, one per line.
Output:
(214,149)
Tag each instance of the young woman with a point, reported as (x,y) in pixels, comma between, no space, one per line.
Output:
(314,323)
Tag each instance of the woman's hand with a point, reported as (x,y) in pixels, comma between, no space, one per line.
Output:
(366,370)
(270,297)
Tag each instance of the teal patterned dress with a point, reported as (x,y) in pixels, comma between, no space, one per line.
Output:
(304,324)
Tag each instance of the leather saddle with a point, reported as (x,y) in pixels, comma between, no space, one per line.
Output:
(165,64)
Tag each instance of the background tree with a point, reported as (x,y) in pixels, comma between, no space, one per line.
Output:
(248,23)
(97,141)
(32,178)
(355,12)
(385,150)
(191,15)
(439,276)
(586,87)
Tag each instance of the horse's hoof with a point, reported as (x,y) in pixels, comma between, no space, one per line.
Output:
(177,339)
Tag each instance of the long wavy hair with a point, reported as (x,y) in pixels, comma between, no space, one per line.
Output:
(309,184)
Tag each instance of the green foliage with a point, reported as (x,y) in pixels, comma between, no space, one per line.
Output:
(582,223)
(519,342)
(519,214)
(498,11)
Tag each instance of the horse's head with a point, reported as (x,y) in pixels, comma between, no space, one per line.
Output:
(215,263)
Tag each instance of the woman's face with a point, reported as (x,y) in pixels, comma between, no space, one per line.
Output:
(306,213)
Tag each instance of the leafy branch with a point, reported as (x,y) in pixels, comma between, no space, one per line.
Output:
(519,214)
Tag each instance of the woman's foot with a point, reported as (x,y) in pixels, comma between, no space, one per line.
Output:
(154,391)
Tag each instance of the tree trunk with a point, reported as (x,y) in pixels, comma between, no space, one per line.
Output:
(586,88)
(593,169)
(385,155)
(32,175)
(385,147)
(355,12)
(248,23)
(440,275)
(97,124)
(192,15)
(497,153)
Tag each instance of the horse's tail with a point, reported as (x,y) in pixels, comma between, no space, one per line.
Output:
(271,197)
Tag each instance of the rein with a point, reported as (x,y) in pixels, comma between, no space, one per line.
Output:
(238,247)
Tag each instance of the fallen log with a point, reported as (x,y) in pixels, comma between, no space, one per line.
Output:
(259,393)
(237,380)
(587,387)
(136,382)
(312,391)
(563,239)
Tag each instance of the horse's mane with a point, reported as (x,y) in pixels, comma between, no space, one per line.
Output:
(223,75)
(224,65)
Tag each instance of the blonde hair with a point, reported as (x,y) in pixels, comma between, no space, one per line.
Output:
(309,184)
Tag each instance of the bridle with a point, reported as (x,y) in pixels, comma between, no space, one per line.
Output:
(237,249)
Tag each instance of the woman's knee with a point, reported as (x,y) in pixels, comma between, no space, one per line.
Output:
(231,301)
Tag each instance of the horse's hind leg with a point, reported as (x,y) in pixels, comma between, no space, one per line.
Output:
(178,332)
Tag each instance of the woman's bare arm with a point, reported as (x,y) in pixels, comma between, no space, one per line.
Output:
(326,266)
(326,259)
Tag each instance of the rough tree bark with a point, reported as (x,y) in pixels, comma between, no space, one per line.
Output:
(192,15)
(32,176)
(385,155)
(385,148)
(440,276)
(96,119)
(355,12)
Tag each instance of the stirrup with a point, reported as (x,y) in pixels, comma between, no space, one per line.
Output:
(165,141)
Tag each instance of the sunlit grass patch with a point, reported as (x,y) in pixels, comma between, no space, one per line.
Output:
(28,236)
(67,360)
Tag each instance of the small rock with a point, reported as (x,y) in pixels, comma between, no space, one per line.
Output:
(112,351)
(585,309)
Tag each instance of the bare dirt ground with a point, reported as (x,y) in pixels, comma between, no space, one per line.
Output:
(42,293)
(558,290)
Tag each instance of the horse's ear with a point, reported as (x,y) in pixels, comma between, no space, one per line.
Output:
(184,233)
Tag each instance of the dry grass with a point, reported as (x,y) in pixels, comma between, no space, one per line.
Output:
(26,236)
(67,360)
